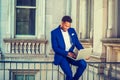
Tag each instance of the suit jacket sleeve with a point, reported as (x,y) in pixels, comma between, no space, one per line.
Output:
(55,45)
(77,42)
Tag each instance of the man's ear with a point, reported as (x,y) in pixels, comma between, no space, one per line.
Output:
(61,24)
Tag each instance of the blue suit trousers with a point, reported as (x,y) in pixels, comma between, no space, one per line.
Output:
(65,66)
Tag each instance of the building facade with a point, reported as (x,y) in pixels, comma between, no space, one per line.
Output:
(25,27)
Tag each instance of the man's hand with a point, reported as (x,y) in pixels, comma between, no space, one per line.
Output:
(87,58)
(70,54)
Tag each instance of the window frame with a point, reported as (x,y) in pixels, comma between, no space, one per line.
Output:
(23,74)
(39,23)
(25,7)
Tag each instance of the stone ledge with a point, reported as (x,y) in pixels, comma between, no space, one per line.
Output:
(111,40)
(41,59)
(7,40)
(86,40)
(23,55)
(27,57)
(97,58)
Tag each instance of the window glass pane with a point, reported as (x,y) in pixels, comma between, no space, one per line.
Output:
(19,77)
(26,2)
(29,77)
(25,21)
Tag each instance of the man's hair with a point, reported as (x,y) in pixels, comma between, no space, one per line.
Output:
(67,18)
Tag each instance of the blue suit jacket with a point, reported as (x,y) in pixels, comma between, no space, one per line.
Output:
(58,44)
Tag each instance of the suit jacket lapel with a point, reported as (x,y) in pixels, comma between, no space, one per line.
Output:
(61,38)
(70,34)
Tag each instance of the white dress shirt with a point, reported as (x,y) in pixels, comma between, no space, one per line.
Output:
(66,37)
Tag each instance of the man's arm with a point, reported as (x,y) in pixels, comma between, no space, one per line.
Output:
(55,45)
(77,42)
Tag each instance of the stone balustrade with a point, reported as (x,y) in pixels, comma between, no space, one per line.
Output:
(25,47)
(112,49)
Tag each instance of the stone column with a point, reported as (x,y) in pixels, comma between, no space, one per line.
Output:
(68,7)
(40,12)
(109,53)
(83,19)
(92,18)
(98,27)
(5,24)
(11,19)
(110,18)
(73,12)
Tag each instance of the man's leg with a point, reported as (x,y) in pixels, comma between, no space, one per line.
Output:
(65,66)
(81,67)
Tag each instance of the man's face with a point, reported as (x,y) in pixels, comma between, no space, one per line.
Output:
(65,26)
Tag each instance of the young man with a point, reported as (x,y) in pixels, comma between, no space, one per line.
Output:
(64,39)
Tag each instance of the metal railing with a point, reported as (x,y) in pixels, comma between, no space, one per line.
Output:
(11,70)
(102,71)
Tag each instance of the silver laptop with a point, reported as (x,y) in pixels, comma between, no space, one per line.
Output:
(83,53)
